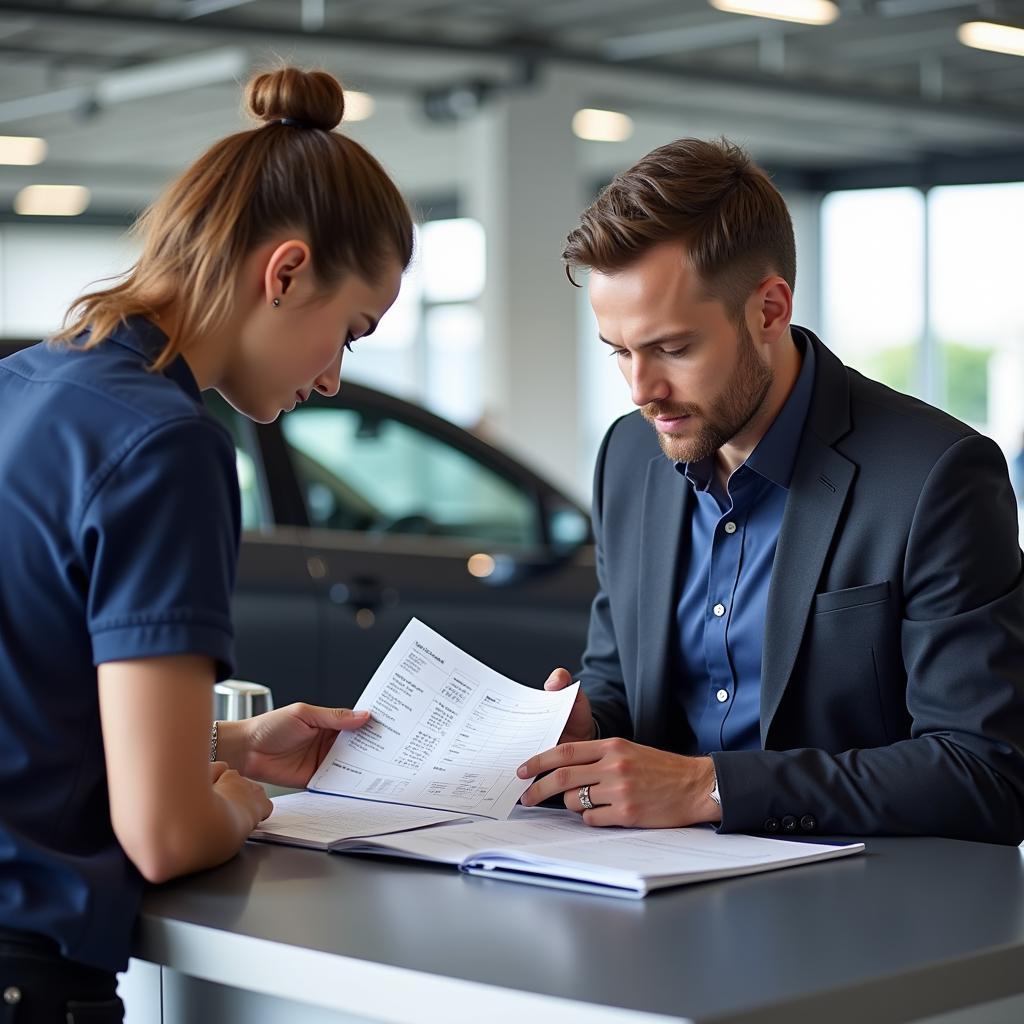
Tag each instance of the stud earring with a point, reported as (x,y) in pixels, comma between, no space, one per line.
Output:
(276,303)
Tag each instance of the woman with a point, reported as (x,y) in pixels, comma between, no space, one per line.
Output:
(119,503)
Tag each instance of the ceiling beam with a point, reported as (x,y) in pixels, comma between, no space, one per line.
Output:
(785,88)
(138,82)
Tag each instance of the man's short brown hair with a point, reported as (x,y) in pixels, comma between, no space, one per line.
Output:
(708,195)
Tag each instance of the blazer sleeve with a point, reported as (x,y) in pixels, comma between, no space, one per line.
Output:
(601,673)
(960,773)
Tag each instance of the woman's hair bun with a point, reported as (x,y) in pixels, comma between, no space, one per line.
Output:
(314,98)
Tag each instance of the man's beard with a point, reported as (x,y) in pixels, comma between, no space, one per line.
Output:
(728,414)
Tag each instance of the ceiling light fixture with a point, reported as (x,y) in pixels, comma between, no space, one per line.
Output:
(602,125)
(358,106)
(987,35)
(22,150)
(804,12)
(52,200)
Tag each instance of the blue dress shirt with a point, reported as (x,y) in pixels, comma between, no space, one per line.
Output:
(724,582)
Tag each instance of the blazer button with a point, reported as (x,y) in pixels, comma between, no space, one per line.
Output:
(771,824)
(789,823)
(808,823)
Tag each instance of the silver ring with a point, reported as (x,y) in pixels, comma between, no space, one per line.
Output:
(584,795)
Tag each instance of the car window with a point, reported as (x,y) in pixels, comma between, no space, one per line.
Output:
(363,471)
(254,514)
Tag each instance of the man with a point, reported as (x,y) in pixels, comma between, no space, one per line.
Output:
(810,615)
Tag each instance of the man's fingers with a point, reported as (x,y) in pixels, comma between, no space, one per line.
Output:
(586,752)
(558,680)
(566,780)
(573,801)
(601,817)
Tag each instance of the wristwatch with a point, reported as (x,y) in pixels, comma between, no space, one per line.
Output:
(714,794)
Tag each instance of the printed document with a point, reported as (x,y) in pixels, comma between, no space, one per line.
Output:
(447,732)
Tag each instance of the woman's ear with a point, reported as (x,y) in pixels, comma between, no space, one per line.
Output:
(288,261)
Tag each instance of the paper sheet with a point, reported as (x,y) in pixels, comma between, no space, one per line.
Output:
(316,819)
(447,732)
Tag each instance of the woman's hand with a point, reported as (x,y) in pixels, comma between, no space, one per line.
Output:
(247,798)
(285,746)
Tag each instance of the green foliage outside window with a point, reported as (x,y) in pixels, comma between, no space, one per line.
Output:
(965,370)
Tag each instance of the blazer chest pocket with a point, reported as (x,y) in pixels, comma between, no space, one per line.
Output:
(853,669)
(853,597)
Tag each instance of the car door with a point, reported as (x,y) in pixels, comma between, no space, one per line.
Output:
(409,516)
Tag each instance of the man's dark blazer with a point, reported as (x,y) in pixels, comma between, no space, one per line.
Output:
(892,679)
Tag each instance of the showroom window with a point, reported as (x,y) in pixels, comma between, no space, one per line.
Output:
(921,290)
(429,347)
(872,282)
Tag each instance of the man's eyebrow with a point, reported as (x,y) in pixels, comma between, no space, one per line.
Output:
(688,335)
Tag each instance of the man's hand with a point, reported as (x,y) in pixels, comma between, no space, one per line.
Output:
(630,785)
(580,724)
(285,746)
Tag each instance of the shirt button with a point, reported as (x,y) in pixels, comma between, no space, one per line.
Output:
(789,823)
(719,610)
(771,825)
(730,527)
(723,696)
(808,823)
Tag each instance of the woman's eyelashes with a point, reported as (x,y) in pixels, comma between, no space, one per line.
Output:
(350,340)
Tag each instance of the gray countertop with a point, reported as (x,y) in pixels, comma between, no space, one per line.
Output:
(911,927)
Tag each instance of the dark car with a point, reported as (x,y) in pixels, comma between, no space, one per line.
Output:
(364,510)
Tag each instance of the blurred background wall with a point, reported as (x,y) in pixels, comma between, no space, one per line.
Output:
(898,142)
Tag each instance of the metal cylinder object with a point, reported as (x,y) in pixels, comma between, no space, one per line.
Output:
(234,699)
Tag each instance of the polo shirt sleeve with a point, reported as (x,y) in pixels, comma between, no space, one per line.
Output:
(159,542)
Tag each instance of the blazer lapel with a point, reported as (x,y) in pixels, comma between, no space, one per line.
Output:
(666,496)
(820,483)
(821,480)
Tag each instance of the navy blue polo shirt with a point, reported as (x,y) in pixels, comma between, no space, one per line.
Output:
(119,530)
(732,536)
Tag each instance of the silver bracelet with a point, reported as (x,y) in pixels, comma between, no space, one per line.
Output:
(213,742)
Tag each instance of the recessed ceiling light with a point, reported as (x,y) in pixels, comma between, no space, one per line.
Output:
(987,35)
(602,125)
(805,12)
(52,200)
(22,150)
(358,106)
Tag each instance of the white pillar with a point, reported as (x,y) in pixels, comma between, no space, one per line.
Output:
(523,184)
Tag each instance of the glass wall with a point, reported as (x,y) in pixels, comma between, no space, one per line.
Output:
(977,306)
(428,348)
(45,267)
(873,282)
(923,292)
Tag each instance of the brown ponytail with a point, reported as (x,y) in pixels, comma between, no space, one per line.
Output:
(299,175)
